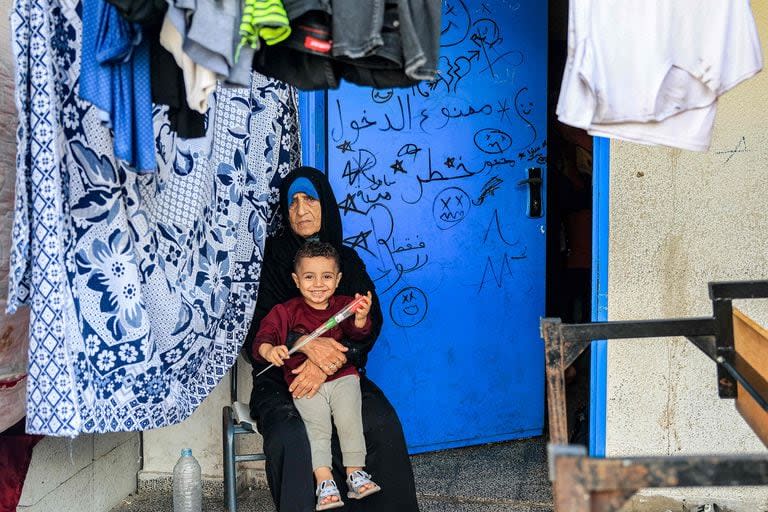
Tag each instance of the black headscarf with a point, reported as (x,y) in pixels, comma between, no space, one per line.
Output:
(276,284)
(330,219)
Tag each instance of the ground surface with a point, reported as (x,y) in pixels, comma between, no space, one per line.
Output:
(502,477)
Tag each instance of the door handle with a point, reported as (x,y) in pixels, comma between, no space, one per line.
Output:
(534,182)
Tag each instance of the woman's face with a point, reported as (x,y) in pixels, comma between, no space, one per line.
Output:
(304,215)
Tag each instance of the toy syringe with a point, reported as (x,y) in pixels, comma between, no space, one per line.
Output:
(332,322)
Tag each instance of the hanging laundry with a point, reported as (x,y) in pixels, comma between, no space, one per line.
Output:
(115,78)
(13,391)
(303,59)
(653,74)
(140,11)
(199,81)
(169,88)
(211,37)
(403,34)
(36,227)
(379,44)
(263,19)
(167,80)
(141,286)
(15,456)
(374,54)
(420,26)
(13,364)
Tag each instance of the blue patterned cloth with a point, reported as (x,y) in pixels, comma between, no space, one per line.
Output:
(140,287)
(114,76)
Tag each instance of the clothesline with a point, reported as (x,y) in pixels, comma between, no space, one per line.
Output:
(136,52)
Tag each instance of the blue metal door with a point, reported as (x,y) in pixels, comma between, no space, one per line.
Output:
(431,183)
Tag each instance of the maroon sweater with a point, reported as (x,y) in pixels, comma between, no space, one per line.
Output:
(297,316)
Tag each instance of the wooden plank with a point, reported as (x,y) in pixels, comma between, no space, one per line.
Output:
(555,373)
(751,342)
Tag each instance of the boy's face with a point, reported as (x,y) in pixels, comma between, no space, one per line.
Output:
(317,279)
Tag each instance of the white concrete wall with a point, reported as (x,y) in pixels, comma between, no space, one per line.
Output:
(91,473)
(678,220)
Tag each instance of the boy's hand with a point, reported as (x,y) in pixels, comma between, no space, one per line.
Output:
(361,314)
(275,354)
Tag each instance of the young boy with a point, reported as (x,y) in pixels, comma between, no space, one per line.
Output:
(316,274)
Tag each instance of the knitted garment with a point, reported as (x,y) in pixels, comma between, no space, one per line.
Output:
(265,19)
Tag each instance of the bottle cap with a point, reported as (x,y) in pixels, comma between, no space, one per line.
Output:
(186,452)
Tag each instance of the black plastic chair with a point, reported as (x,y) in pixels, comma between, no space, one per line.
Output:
(236,420)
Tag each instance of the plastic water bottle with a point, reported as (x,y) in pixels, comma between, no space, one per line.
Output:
(187,485)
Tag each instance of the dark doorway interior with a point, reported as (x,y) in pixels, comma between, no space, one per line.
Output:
(569,217)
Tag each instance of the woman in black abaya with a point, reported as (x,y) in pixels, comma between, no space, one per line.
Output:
(310,211)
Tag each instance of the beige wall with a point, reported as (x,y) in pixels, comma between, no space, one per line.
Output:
(678,220)
(91,473)
(202,432)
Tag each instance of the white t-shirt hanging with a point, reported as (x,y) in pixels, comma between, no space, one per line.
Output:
(652,71)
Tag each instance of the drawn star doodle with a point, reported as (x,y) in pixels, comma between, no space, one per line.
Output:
(398,167)
(349,205)
(741,147)
(359,241)
(503,111)
(345,147)
(359,165)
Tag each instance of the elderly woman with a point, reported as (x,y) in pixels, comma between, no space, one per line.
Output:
(309,206)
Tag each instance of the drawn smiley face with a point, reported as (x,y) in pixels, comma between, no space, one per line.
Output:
(408,307)
(382,95)
(492,141)
(455,23)
(450,207)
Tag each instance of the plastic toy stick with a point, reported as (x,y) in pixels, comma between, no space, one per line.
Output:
(332,322)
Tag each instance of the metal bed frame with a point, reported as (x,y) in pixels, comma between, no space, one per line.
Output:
(589,484)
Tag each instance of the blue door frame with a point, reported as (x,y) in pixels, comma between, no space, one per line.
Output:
(599,353)
(313,129)
(312,122)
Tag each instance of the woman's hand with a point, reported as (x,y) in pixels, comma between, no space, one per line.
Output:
(326,353)
(309,380)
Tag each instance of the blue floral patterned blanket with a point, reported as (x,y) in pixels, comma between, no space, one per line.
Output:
(140,287)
